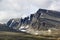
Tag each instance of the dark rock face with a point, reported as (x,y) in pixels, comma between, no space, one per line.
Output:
(4,27)
(9,22)
(42,20)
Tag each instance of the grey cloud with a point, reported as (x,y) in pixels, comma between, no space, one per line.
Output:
(22,8)
(55,5)
(41,3)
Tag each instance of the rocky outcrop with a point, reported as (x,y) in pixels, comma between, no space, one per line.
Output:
(42,20)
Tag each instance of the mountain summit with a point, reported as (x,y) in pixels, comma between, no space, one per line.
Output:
(41,20)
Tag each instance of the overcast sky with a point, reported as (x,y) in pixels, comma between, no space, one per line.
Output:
(21,8)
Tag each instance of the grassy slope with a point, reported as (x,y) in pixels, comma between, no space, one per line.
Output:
(23,36)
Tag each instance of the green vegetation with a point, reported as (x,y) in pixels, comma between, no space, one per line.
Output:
(24,36)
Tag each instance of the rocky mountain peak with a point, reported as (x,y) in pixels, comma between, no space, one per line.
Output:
(42,20)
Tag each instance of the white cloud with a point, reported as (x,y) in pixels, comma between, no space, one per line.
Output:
(41,3)
(21,8)
(55,5)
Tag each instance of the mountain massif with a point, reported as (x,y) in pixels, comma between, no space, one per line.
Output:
(41,20)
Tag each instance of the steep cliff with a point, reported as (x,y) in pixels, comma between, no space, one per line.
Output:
(41,20)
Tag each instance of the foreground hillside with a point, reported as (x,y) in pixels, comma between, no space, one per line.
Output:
(24,36)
